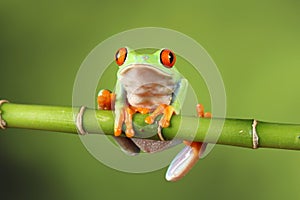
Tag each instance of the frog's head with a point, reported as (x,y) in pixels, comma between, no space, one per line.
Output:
(160,62)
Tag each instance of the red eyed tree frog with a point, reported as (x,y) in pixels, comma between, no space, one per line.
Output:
(150,83)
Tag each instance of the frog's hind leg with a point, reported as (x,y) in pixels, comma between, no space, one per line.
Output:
(106,101)
(185,160)
(189,155)
(127,145)
(153,146)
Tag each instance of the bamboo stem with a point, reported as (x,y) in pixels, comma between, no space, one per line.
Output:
(235,132)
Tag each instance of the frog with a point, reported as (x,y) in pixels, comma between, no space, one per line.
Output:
(150,84)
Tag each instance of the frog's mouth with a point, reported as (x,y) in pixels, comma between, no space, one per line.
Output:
(144,70)
(138,75)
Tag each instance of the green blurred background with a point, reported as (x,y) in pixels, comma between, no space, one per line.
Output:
(255,44)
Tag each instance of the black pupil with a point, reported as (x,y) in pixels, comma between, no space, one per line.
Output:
(171,57)
(117,55)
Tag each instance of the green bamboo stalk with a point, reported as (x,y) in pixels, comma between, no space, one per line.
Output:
(235,132)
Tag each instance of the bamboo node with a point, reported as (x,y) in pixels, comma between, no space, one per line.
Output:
(79,121)
(2,122)
(254,135)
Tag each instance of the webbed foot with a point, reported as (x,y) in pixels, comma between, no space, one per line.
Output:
(166,110)
(125,116)
(164,122)
(185,160)
(106,100)
(189,155)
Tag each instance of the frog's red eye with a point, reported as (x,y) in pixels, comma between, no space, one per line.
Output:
(121,56)
(167,58)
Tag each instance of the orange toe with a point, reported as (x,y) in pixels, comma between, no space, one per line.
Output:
(200,110)
(129,132)
(168,113)
(201,113)
(117,131)
(105,100)
(149,120)
(207,115)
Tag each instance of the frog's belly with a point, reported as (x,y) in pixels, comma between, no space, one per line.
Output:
(146,86)
(150,96)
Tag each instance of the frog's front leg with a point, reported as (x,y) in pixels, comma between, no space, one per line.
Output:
(106,101)
(119,119)
(124,115)
(166,110)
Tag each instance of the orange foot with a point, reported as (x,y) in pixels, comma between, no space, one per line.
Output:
(166,110)
(201,113)
(125,116)
(106,100)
